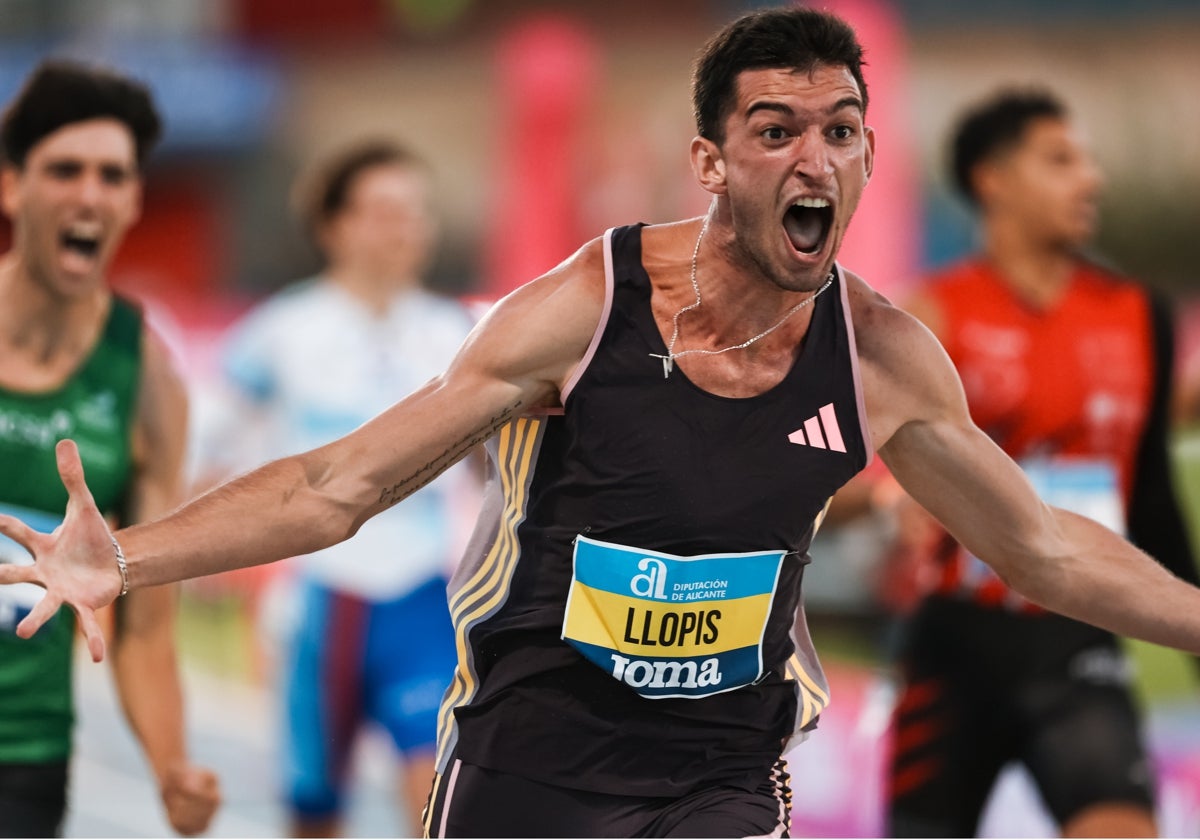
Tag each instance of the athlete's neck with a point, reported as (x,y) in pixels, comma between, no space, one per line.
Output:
(40,328)
(1039,272)
(369,289)
(738,299)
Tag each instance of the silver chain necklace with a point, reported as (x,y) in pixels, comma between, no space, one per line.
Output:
(668,361)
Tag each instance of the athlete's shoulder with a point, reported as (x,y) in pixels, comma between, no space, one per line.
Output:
(905,371)
(125,324)
(949,293)
(664,245)
(297,296)
(581,274)
(541,330)
(1103,276)
(888,339)
(287,310)
(963,276)
(126,307)
(880,326)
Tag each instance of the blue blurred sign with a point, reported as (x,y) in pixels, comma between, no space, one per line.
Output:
(214,96)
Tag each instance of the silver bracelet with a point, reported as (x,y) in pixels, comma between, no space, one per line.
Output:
(121,566)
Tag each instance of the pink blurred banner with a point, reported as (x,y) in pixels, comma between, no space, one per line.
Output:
(546,78)
(883,244)
(838,773)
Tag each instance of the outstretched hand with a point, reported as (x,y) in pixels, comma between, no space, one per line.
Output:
(75,564)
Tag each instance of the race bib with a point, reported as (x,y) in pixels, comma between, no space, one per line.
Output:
(1087,486)
(16,600)
(671,626)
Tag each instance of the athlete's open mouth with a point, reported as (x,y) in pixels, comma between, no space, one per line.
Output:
(81,238)
(807,223)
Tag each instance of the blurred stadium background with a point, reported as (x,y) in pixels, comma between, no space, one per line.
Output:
(547,122)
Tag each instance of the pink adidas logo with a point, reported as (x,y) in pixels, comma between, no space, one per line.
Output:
(820,432)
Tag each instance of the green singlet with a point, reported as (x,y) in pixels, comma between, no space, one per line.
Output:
(95,407)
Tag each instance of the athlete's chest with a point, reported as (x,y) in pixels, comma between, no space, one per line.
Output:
(649,450)
(1080,376)
(357,364)
(27,370)
(96,415)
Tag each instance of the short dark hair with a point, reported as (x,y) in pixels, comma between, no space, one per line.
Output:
(795,38)
(994,126)
(60,92)
(324,193)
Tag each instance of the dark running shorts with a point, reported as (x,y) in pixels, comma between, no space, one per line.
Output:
(985,687)
(471,801)
(33,799)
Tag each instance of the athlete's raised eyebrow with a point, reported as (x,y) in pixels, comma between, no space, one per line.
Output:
(768,105)
(783,108)
(846,102)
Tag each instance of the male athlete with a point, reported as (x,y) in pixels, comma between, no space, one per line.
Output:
(307,365)
(1067,366)
(668,412)
(78,361)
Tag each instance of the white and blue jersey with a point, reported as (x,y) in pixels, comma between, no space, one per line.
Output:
(318,363)
(369,637)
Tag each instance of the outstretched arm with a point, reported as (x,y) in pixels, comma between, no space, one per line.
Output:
(516,360)
(1067,563)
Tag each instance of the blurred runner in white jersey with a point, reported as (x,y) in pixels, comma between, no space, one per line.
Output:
(368,636)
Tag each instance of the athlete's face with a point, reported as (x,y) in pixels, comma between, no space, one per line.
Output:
(1048,185)
(791,170)
(72,203)
(386,228)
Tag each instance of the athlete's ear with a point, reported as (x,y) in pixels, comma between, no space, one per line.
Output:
(708,165)
(138,199)
(869,151)
(990,178)
(9,175)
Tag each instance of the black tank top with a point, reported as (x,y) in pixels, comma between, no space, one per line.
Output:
(670,524)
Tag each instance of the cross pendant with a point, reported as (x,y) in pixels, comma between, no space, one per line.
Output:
(668,363)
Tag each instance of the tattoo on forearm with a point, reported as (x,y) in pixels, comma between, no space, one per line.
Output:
(393,493)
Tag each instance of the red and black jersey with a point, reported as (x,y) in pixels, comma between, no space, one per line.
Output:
(1082,381)
(699,494)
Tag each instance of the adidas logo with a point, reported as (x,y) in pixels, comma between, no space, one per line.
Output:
(820,432)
